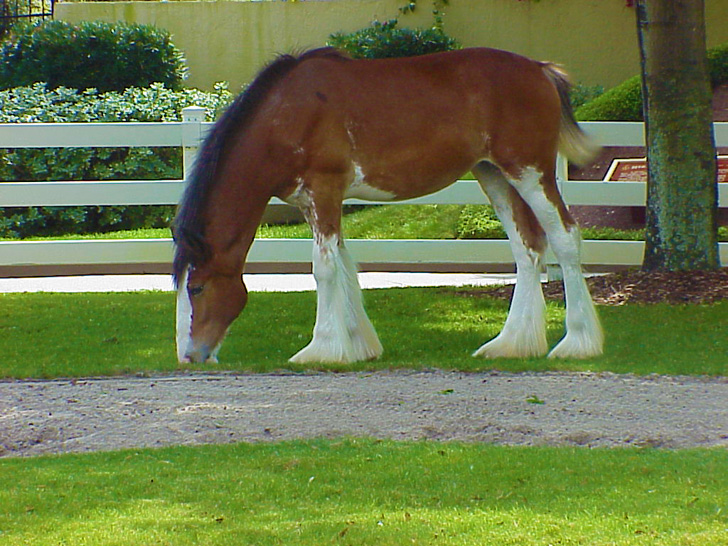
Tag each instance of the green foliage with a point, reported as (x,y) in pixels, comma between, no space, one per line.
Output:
(718,63)
(385,40)
(624,102)
(39,104)
(437,11)
(621,103)
(104,56)
(479,222)
(582,93)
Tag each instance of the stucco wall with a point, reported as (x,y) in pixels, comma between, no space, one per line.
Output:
(226,40)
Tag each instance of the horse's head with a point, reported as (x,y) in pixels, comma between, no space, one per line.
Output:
(207,303)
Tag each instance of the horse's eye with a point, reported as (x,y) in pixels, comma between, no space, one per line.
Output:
(194,290)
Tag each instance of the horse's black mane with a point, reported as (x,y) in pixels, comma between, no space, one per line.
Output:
(188,226)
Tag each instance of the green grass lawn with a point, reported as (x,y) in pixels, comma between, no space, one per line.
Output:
(356,492)
(72,335)
(366,492)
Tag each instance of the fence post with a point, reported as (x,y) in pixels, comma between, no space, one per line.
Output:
(192,119)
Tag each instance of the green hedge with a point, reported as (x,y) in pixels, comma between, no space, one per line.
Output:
(621,103)
(385,40)
(105,56)
(624,102)
(40,104)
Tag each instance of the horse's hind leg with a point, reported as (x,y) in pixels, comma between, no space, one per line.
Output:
(524,333)
(584,337)
(343,332)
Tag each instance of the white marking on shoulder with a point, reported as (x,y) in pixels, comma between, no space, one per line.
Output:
(359,189)
(299,196)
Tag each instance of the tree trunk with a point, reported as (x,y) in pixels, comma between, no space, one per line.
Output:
(682,189)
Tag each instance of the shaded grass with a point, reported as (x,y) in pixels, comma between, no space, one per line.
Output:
(366,492)
(77,335)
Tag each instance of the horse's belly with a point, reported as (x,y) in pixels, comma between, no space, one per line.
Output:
(360,189)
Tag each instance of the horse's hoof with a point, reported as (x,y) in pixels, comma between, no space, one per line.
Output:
(320,353)
(502,347)
(580,346)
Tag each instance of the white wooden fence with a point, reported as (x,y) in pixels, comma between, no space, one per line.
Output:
(188,134)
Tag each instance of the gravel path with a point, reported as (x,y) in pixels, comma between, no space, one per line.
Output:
(42,417)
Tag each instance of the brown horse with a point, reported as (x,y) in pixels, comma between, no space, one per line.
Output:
(321,127)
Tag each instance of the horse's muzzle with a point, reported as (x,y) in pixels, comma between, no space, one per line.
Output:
(199,355)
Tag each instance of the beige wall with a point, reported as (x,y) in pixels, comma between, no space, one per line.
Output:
(226,40)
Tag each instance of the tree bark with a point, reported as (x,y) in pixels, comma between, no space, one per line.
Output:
(682,189)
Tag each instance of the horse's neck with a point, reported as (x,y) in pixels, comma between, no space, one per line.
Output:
(232,220)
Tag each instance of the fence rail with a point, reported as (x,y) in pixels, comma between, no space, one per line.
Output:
(188,134)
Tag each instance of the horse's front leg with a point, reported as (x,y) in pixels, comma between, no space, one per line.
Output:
(343,332)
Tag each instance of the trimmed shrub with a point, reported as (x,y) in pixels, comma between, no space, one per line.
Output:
(386,40)
(39,104)
(624,102)
(104,56)
(621,103)
(718,63)
(581,94)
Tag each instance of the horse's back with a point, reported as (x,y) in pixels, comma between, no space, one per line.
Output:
(413,125)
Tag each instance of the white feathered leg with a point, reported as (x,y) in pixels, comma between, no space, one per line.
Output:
(524,332)
(584,336)
(343,332)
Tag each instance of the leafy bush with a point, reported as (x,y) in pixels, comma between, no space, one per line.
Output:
(105,56)
(39,104)
(385,40)
(581,94)
(621,103)
(624,102)
(479,222)
(718,63)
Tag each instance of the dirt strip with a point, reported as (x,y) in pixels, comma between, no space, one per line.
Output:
(594,410)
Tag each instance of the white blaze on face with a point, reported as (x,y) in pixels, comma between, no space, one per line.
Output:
(184,318)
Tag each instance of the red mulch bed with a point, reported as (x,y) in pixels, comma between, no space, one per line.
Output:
(634,286)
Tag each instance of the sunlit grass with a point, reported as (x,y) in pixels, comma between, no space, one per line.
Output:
(72,335)
(376,222)
(367,492)
(389,222)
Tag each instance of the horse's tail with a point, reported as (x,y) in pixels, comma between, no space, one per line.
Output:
(576,145)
